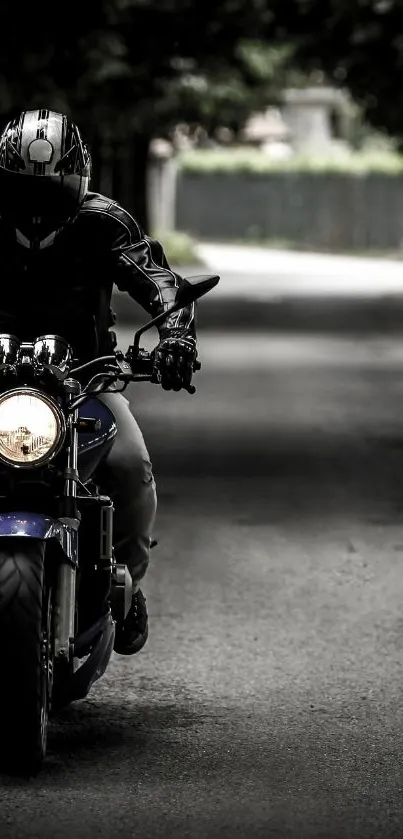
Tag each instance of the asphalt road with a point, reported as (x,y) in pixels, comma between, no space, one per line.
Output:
(268,700)
(263,289)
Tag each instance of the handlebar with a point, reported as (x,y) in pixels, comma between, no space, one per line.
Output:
(117,363)
(120,367)
(143,366)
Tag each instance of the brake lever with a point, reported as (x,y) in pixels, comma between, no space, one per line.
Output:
(196,366)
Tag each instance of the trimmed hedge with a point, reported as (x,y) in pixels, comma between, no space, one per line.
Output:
(254,162)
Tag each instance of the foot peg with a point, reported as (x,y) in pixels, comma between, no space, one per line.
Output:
(121,592)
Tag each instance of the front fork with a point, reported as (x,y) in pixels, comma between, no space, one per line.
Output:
(65,596)
(65,590)
(64,611)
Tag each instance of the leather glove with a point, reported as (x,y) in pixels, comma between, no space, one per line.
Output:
(174,363)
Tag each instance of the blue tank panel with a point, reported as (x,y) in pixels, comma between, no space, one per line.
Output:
(94,445)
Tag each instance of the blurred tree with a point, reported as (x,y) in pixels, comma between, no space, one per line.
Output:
(358,44)
(128,70)
(225,93)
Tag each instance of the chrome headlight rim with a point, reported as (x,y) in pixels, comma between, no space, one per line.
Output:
(60,419)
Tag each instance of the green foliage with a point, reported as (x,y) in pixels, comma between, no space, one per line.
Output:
(127,70)
(121,67)
(180,248)
(121,64)
(139,64)
(231,161)
(357,44)
(227,91)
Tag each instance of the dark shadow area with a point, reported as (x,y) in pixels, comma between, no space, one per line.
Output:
(304,477)
(341,315)
(189,769)
(312,458)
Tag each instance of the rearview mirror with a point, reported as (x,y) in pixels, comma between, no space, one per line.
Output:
(189,290)
(192,288)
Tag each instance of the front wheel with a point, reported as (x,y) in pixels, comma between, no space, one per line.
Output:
(25,654)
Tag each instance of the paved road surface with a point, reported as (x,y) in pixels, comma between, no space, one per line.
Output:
(268,700)
(263,289)
(265,272)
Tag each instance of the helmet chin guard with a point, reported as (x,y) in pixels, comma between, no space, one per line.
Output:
(40,243)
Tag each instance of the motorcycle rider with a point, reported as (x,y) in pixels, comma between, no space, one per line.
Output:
(62,249)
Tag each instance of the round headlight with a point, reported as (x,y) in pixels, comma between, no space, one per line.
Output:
(32,427)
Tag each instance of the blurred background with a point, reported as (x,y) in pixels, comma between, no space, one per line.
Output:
(288,111)
(263,140)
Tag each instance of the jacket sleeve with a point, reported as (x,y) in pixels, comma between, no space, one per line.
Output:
(142,269)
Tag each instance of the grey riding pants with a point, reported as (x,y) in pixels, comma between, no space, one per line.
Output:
(127,477)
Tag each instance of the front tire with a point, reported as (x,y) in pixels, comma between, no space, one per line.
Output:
(25,654)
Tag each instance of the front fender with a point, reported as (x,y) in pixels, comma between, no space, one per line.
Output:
(37,526)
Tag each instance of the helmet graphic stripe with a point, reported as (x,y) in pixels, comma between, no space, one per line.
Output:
(56,123)
(41,134)
(29,130)
(42,128)
(20,128)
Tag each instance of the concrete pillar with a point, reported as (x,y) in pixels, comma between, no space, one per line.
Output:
(308,114)
(162,180)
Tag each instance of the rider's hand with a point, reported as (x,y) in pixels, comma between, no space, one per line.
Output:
(174,363)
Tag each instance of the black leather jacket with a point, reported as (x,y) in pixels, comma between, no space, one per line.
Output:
(66,288)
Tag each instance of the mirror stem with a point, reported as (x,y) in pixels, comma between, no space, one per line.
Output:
(154,322)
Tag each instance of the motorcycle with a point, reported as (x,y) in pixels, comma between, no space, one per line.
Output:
(57,564)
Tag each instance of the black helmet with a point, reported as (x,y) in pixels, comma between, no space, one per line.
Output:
(44,175)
